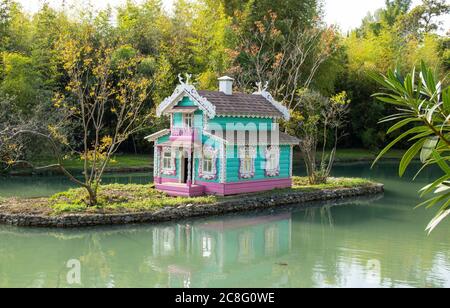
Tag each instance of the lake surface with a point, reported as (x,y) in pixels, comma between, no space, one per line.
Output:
(365,242)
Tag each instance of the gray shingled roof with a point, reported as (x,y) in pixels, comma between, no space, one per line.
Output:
(256,138)
(240,104)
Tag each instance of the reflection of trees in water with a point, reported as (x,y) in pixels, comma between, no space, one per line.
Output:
(331,253)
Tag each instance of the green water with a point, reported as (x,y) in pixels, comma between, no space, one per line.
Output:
(366,242)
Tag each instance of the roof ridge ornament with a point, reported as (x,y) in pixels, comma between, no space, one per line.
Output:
(262,88)
(186,80)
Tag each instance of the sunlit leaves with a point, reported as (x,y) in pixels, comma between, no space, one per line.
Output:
(424,105)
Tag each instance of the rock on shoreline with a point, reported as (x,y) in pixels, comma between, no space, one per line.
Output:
(244,204)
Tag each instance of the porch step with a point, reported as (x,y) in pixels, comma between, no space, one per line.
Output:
(181,190)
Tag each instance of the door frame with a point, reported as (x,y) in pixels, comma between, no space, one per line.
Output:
(184,162)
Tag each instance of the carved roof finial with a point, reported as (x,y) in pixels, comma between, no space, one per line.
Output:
(262,88)
(188,78)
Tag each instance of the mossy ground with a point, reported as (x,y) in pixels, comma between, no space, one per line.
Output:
(121,198)
(132,198)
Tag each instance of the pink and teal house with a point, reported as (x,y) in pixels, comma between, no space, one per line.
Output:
(221,143)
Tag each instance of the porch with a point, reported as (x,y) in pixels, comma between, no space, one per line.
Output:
(181,189)
(174,168)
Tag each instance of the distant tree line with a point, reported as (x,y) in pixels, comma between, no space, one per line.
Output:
(285,43)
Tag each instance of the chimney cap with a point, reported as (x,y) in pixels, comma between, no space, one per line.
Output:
(226,78)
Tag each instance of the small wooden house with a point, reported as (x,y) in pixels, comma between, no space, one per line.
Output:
(221,142)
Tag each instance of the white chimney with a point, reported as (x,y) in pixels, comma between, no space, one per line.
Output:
(226,85)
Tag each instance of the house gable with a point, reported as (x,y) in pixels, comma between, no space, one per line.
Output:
(182,91)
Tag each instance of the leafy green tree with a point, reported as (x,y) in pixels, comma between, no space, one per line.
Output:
(211,33)
(421,101)
(377,46)
(104,84)
(141,25)
(19,30)
(394,9)
(22,81)
(422,19)
(320,121)
(47,26)
(292,14)
(5,20)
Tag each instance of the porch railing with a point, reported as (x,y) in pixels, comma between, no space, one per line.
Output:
(182,132)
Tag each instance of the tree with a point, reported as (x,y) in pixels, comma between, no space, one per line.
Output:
(320,121)
(47,26)
(141,25)
(10,152)
(423,102)
(286,62)
(5,19)
(422,19)
(380,44)
(209,41)
(394,9)
(21,80)
(292,14)
(100,83)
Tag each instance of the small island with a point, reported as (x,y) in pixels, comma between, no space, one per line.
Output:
(131,204)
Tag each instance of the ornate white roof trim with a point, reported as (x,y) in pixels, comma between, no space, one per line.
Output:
(264,93)
(157,135)
(185,89)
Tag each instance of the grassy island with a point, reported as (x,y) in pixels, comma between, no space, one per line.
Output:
(118,199)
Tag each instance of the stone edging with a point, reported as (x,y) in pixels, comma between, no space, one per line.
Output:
(300,199)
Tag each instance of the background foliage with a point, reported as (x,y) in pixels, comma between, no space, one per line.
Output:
(206,38)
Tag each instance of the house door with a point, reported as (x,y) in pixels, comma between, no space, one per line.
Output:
(185,170)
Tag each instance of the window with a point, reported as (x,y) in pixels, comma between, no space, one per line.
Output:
(247,161)
(207,163)
(167,161)
(188,120)
(247,156)
(273,161)
(208,169)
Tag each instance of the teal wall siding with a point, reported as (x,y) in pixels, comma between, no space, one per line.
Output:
(234,163)
(177,120)
(163,139)
(237,122)
(216,145)
(198,119)
(186,102)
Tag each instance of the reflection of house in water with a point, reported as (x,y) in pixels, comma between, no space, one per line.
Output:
(206,253)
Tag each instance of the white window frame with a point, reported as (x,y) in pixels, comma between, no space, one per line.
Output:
(188,120)
(209,157)
(272,161)
(168,162)
(247,155)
